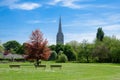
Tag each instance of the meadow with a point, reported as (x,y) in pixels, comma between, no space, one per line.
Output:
(69,71)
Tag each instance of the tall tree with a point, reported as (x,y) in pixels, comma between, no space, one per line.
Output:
(74,45)
(21,49)
(69,52)
(100,34)
(53,55)
(59,47)
(11,46)
(37,48)
(100,52)
(52,47)
(87,50)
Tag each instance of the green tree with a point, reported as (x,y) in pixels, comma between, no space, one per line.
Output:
(88,49)
(12,46)
(53,56)
(74,45)
(85,53)
(100,34)
(21,49)
(1,49)
(59,47)
(114,46)
(115,54)
(80,55)
(100,52)
(70,53)
(52,47)
(62,57)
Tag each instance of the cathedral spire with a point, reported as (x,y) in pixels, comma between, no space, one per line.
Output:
(60,26)
(60,36)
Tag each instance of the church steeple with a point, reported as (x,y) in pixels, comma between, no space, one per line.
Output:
(60,36)
(60,26)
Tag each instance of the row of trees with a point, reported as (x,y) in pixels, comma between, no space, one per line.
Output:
(13,47)
(35,49)
(103,49)
(106,51)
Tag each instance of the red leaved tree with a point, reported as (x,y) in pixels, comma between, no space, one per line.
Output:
(37,48)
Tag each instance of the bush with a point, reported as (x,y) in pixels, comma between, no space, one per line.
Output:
(62,57)
(70,53)
(53,56)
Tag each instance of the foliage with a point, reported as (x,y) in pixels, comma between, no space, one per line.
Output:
(88,50)
(53,56)
(21,50)
(85,53)
(52,47)
(1,55)
(1,49)
(62,57)
(37,47)
(12,46)
(104,49)
(101,52)
(100,34)
(74,45)
(59,47)
(114,46)
(80,57)
(115,54)
(70,53)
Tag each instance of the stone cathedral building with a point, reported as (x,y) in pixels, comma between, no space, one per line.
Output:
(60,36)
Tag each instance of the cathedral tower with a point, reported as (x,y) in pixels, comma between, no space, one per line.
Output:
(60,36)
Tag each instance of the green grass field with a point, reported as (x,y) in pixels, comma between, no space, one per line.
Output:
(69,71)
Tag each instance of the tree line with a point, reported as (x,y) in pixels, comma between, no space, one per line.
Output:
(103,49)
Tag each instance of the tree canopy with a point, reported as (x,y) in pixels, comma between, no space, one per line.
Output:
(100,34)
(37,47)
(12,46)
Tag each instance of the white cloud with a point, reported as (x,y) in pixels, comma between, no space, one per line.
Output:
(25,6)
(14,4)
(66,3)
(71,4)
(76,4)
(54,2)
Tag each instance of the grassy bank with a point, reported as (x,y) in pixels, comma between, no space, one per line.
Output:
(69,71)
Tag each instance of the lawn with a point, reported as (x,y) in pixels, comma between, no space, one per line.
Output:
(69,71)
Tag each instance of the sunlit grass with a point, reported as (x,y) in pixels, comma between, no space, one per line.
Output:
(69,71)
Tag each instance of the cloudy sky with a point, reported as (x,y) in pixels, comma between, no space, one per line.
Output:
(80,19)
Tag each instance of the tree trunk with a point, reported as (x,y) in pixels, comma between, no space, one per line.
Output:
(37,62)
(87,59)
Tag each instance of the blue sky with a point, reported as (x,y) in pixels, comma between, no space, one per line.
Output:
(80,19)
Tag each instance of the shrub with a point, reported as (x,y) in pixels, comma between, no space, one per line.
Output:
(62,57)
(70,53)
(53,56)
